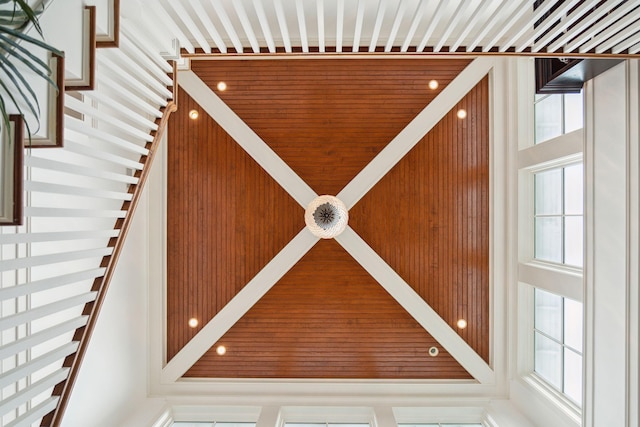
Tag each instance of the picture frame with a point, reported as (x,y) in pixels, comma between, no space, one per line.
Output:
(12,171)
(109,36)
(52,134)
(87,79)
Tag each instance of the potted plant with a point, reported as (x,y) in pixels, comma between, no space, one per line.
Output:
(16,94)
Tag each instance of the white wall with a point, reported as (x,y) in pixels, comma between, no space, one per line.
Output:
(611,304)
(112,381)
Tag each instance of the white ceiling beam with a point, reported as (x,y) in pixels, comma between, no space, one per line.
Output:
(469,25)
(378,24)
(415,131)
(488,25)
(635,48)
(282,22)
(339,24)
(246,138)
(417,18)
(527,25)
(608,20)
(264,24)
(506,26)
(558,14)
(621,30)
(453,22)
(165,20)
(357,32)
(208,26)
(320,15)
(402,7)
(303,26)
(585,22)
(238,306)
(246,25)
(435,20)
(181,13)
(415,306)
(227,25)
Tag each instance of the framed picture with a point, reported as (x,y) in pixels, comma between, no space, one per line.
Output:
(86,79)
(108,22)
(51,129)
(11,172)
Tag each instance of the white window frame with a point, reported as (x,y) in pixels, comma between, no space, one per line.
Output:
(563,111)
(559,279)
(562,343)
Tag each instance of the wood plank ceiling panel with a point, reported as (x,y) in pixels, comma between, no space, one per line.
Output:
(428,218)
(327,118)
(226,218)
(327,318)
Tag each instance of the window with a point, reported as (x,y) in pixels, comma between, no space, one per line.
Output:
(558,215)
(211,424)
(327,425)
(558,343)
(441,425)
(556,115)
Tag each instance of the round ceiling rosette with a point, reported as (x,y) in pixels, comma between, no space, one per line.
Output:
(326,217)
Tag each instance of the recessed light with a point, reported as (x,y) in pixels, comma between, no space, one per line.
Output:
(462,323)
(222,86)
(462,113)
(193,114)
(433,84)
(193,322)
(433,351)
(221,350)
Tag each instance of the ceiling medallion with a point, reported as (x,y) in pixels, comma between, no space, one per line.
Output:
(326,217)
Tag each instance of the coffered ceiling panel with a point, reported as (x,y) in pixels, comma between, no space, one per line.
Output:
(328,118)
(428,218)
(327,318)
(226,219)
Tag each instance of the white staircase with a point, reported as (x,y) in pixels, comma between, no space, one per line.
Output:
(78,201)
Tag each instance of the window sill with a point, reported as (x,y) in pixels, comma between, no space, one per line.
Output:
(537,385)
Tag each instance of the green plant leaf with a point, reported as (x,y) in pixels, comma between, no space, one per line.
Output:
(11,73)
(13,23)
(20,35)
(22,49)
(14,13)
(5,116)
(25,51)
(36,70)
(7,22)
(4,86)
(30,14)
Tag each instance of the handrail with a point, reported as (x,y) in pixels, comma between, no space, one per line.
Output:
(101,284)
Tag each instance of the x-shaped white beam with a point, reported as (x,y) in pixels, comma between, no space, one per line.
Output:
(352,243)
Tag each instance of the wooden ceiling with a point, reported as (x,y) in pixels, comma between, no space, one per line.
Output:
(436,235)
(226,219)
(327,119)
(327,317)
